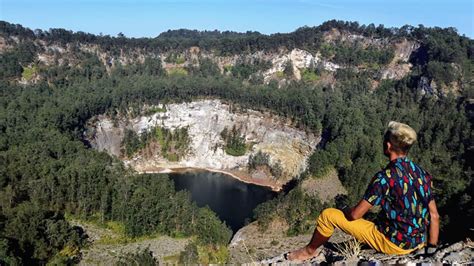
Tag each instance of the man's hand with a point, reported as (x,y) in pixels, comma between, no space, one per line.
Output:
(358,211)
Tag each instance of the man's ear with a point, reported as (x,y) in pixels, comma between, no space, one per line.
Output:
(389,146)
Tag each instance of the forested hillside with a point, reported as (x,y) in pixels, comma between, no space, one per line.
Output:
(48,171)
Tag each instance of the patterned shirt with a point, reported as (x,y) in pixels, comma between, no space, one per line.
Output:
(403,190)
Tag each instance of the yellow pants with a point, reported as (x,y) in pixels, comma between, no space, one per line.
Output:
(363,230)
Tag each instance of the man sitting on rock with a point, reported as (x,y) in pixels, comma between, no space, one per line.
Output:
(402,190)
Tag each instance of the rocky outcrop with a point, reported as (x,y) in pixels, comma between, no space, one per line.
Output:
(205,121)
(335,36)
(460,253)
(107,136)
(299,59)
(252,246)
(400,65)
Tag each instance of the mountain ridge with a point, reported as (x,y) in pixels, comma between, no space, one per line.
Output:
(312,54)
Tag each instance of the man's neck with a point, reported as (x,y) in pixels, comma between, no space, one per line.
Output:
(393,156)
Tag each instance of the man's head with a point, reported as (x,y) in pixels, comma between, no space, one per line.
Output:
(398,138)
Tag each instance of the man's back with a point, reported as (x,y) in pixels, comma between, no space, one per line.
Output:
(403,190)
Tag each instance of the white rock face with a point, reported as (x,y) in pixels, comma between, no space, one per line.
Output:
(299,59)
(205,121)
(107,137)
(400,66)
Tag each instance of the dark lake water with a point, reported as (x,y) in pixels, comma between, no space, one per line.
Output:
(232,200)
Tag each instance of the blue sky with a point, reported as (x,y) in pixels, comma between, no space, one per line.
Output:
(147,18)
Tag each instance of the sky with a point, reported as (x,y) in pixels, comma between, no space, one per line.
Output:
(148,18)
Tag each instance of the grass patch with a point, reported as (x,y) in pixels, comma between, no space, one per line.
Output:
(172,259)
(155,109)
(280,74)
(350,249)
(172,157)
(112,233)
(69,251)
(177,72)
(211,254)
(235,151)
(116,227)
(227,68)
(309,76)
(180,60)
(29,72)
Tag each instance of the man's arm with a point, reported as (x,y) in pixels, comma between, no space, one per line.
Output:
(358,211)
(434,223)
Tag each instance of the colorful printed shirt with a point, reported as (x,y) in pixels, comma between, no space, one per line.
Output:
(403,190)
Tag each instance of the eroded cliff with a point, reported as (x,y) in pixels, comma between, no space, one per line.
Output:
(205,120)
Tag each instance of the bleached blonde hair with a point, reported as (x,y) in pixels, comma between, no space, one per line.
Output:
(400,135)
